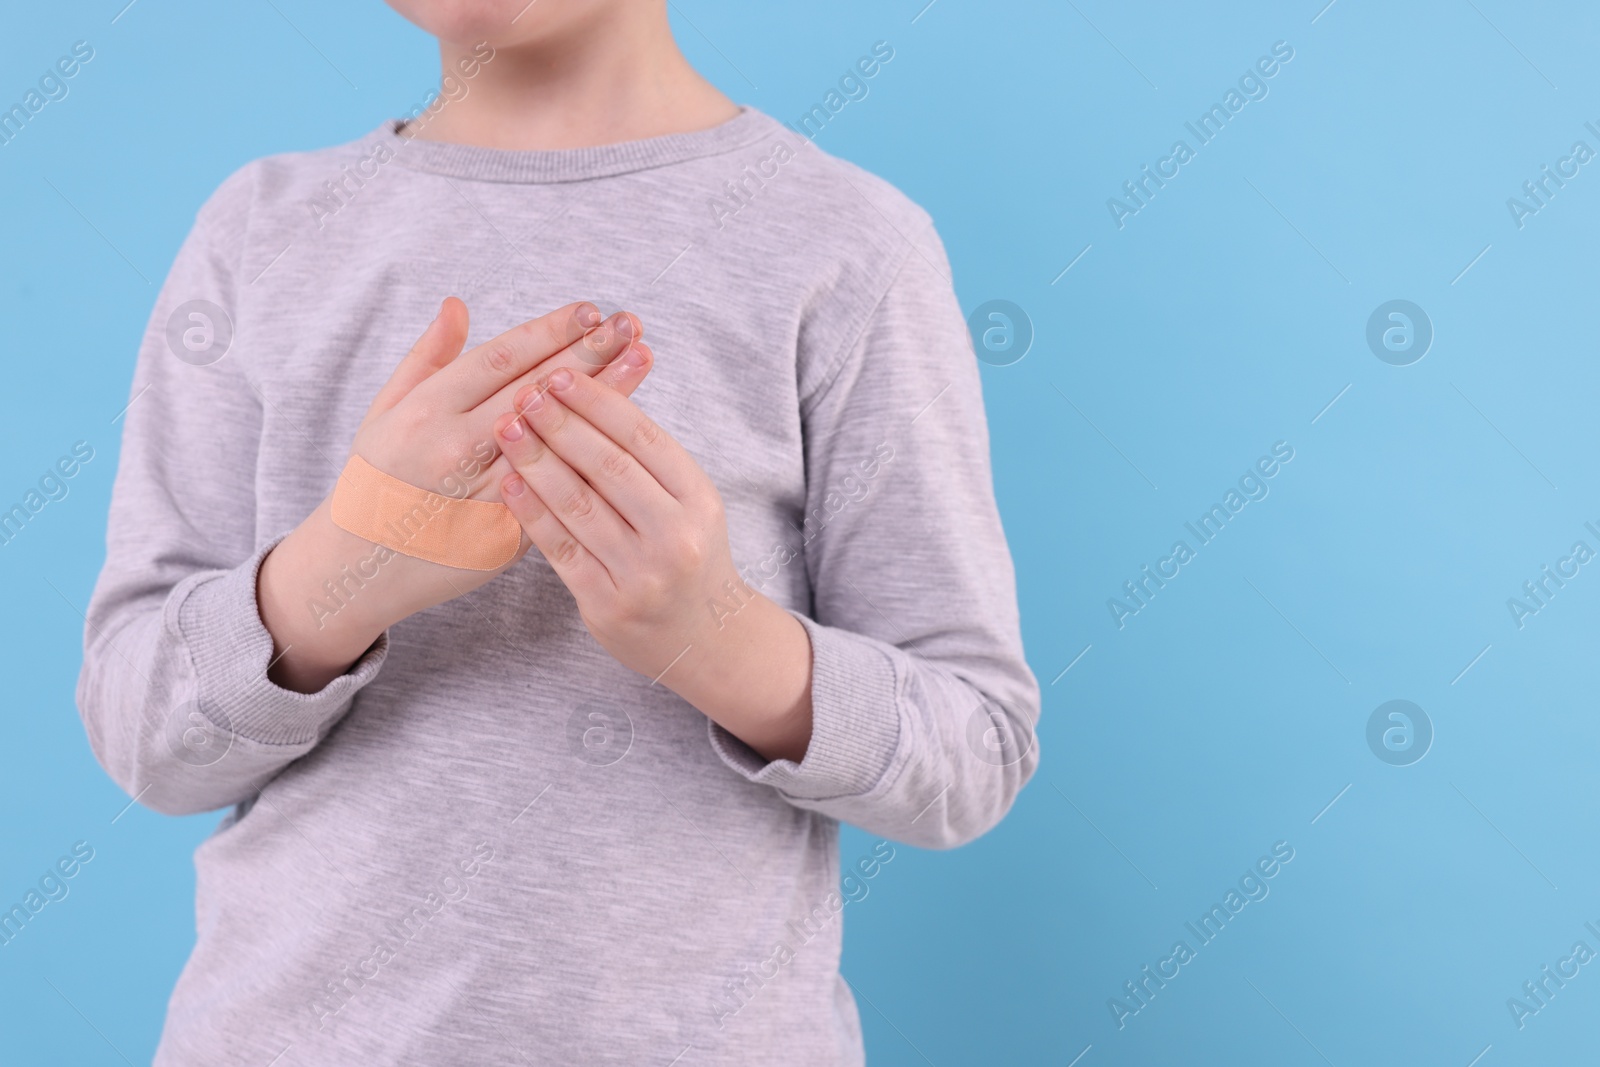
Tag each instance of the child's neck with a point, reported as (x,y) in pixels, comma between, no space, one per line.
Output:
(624,81)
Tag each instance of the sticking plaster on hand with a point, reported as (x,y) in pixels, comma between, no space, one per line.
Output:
(474,535)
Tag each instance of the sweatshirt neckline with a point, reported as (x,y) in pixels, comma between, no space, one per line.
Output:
(571,164)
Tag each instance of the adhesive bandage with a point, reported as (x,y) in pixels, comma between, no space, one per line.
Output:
(474,535)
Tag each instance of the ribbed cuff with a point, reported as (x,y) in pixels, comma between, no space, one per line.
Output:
(217,618)
(855,727)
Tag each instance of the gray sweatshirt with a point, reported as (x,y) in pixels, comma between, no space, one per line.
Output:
(488,842)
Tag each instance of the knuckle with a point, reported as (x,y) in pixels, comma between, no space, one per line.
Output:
(616,464)
(653,589)
(578,503)
(499,358)
(533,449)
(535,330)
(555,418)
(646,433)
(452,477)
(420,414)
(565,551)
(688,550)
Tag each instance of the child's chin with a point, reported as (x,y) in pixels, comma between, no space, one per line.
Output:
(496,21)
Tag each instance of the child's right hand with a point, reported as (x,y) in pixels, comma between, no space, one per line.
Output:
(431,425)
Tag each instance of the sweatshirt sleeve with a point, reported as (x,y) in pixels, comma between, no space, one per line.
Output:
(173,691)
(923,706)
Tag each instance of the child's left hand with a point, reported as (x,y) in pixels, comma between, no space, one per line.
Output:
(625,516)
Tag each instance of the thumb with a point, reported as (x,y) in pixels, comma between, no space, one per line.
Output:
(439,344)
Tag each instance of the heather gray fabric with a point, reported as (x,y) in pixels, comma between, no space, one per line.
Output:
(489,842)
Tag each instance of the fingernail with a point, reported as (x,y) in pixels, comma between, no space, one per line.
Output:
(561,379)
(633,358)
(589,315)
(534,402)
(625,325)
(513,430)
(513,485)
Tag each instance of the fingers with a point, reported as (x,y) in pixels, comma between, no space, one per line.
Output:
(491,366)
(575,565)
(605,465)
(572,502)
(622,375)
(590,354)
(438,346)
(626,374)
(603,343)
(620,419)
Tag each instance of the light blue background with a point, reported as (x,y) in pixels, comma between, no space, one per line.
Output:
(1224,317)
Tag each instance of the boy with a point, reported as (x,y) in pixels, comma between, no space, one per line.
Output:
(576,805)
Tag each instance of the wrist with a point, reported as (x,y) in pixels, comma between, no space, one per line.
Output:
(751,674)
(322,616)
